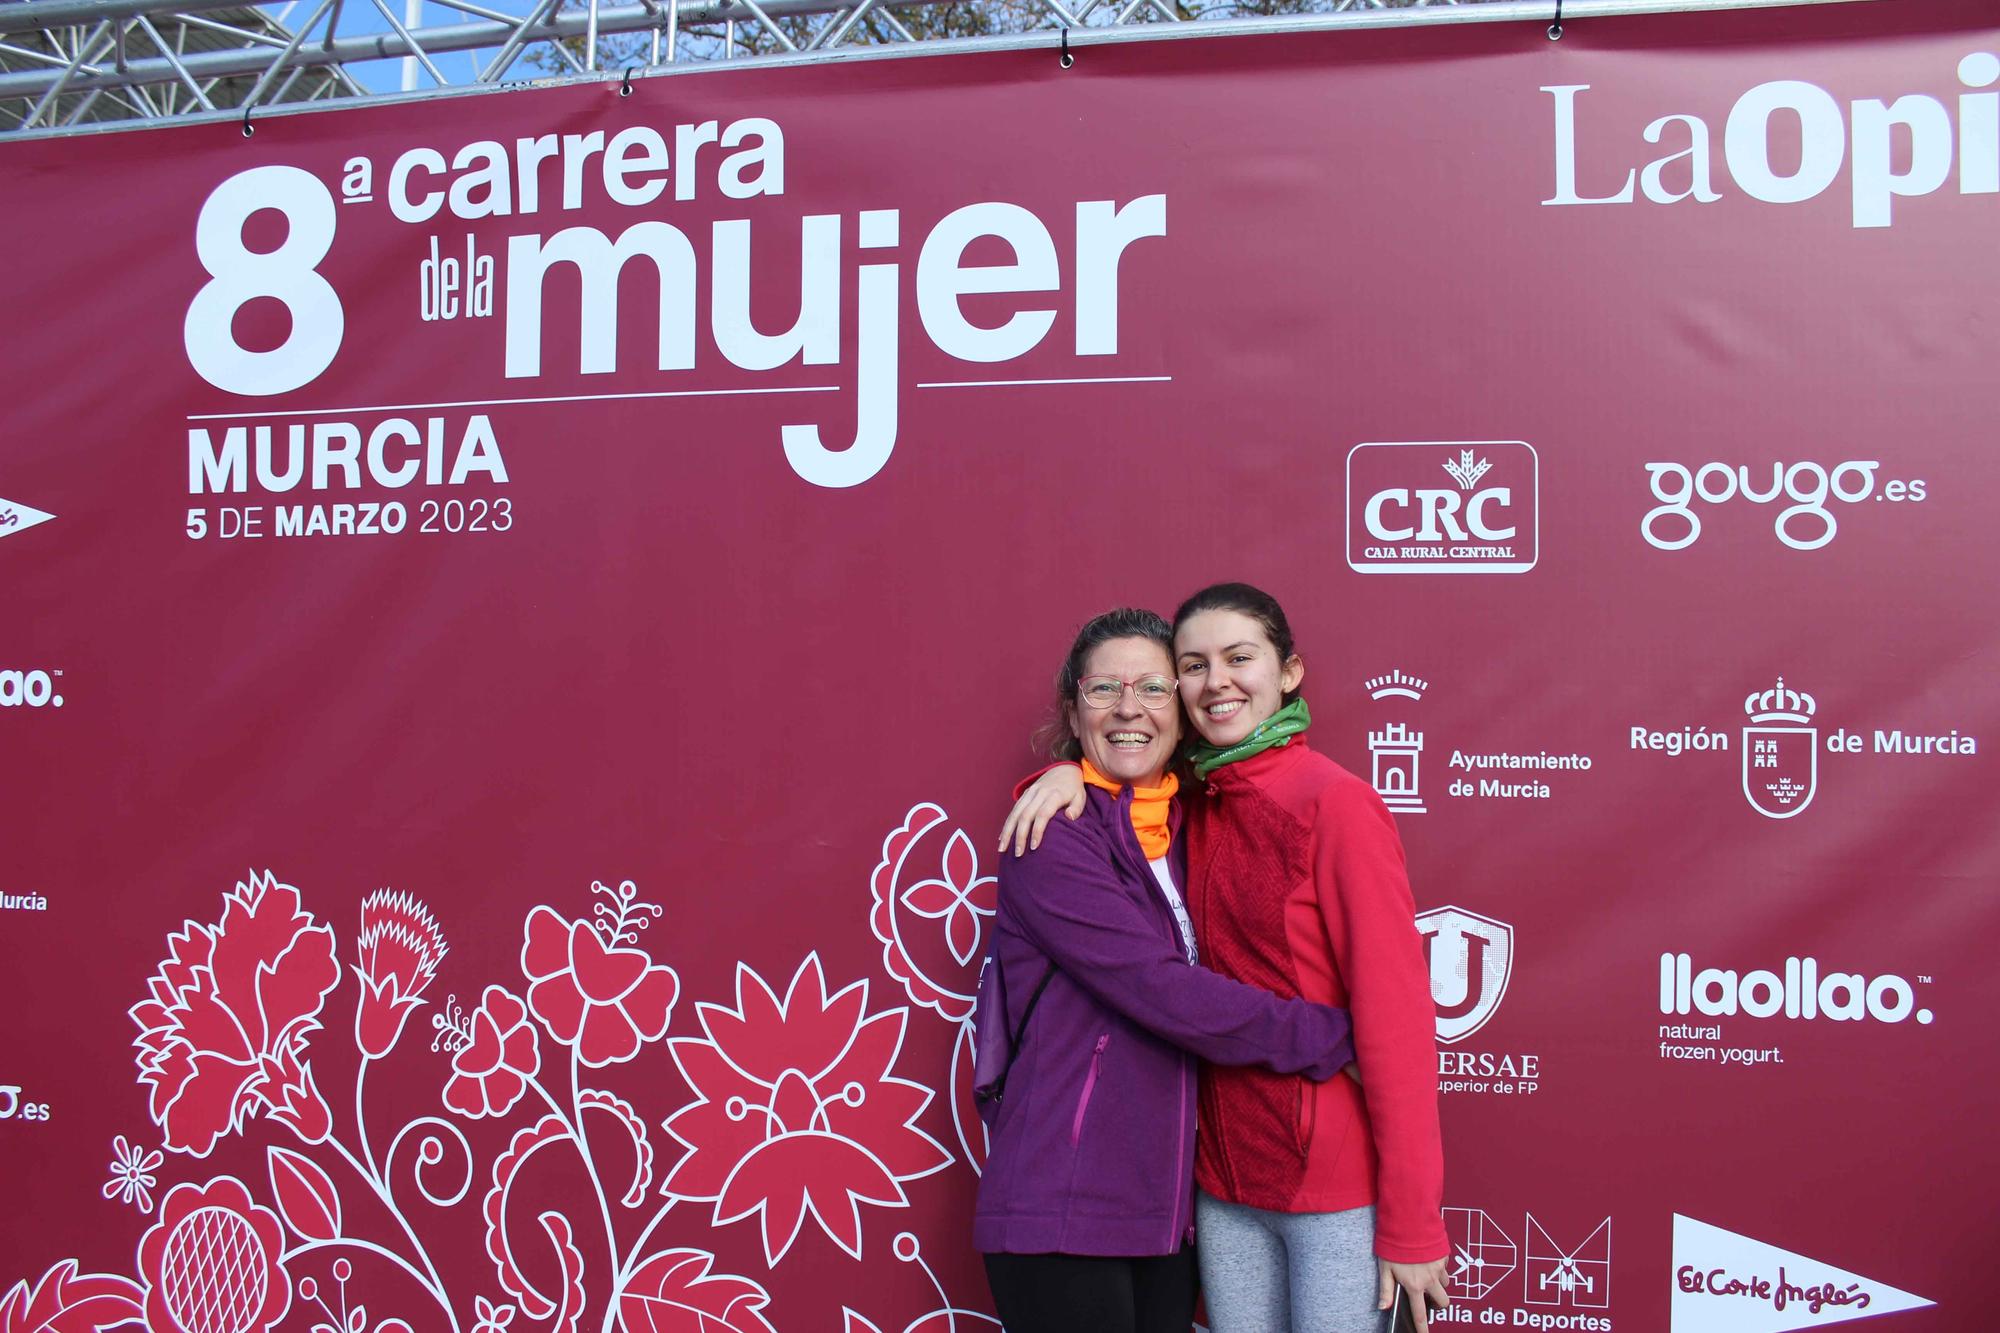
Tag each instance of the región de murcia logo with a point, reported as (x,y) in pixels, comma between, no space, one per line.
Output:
(1781,742)
(1780,752)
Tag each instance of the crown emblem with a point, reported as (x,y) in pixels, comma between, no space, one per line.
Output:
(1467,470)
(1779,704)
(1395,683)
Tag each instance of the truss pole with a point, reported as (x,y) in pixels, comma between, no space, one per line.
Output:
(263,82)
(888,16)
(83,49)
(72,49)
(41,57)
(498,65)
(770,26)
(835,35)
(413,17)
(416,51)
(210,25)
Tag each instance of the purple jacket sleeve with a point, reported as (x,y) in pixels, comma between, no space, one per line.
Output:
(1068,900)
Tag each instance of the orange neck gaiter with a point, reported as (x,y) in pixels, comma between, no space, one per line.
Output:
(1149,808)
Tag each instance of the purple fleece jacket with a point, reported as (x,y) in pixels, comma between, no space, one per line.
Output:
(1093,1144)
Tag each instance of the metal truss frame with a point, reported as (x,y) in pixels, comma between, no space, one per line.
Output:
(72,66)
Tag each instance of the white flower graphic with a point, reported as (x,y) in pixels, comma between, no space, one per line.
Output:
(132,1179)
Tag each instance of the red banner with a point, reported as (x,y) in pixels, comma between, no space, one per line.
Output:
(525,609)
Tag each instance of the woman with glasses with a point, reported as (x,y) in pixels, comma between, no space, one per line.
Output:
(1315,1202)
(1092,1001)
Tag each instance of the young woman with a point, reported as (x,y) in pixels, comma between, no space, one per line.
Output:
(1297,885)
(1092,1000)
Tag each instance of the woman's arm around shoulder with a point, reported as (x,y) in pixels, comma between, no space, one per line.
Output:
(1068,899)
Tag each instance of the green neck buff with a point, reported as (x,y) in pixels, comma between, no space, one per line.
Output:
(1277,729)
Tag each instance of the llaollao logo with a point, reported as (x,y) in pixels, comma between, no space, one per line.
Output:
(30,689)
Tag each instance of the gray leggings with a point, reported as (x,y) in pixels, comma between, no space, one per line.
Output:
(1266,1272)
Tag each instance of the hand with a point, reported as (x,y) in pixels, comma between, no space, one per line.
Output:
(1422,1284)
(1061,788)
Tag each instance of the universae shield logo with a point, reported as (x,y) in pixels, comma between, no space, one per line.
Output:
(1470,958)
(1780,751)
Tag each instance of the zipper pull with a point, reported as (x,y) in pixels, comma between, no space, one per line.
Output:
(1102,1042)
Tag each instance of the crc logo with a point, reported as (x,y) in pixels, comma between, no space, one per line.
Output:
(1470,958)
(1806,524)
(1467,507)
(30,689)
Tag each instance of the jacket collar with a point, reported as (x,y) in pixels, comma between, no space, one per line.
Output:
(1262,766)
(1117,813)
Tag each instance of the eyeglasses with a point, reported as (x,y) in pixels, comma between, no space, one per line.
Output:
(1152,692)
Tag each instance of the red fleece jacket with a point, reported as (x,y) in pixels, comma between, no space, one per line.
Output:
(1297,884)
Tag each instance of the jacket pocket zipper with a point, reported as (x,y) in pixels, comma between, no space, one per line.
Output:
(1089,1084)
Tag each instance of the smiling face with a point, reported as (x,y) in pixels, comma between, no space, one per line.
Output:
(1231,676)
(1126,742)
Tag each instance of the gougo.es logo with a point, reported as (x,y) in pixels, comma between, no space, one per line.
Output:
(1805,524)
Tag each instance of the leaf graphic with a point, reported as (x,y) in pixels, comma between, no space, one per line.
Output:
(62,1302)
(590,1099)
(672,1292)
(307,1200)
(571,1309)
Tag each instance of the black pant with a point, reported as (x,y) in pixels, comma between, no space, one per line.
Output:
(1081,1293)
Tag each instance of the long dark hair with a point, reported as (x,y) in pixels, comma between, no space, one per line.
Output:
(1125,622)
(1255,603)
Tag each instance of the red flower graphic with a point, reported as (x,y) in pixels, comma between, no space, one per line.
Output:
(64,1301)
(798,1111)
(211,1264)
(286,1089)
(604,1000)
(495,1054)
(400,947)
(931,910)
(226,1023)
